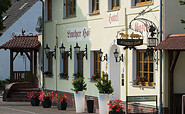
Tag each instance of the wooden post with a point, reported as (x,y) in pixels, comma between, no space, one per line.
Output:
(35,68)
(11,66)
(31,65)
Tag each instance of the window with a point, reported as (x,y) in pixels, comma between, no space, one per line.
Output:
(142,2)
(115,4)
(70,8)
(95,6)
(65,63)
(49,10)
(50,62)
(145,65)
(80,63)
(97,62)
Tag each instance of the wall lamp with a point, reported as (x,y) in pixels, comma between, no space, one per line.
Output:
(101,55)
(47,50)
(62,51)
(77,50)
(116,55)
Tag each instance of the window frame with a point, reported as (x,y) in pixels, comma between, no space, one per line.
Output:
(95,4)
(50,62)
(148,63)
(143,3)
(116,7)
(80,62)
(68,8)
(49,10)
(97,68)
(65,63)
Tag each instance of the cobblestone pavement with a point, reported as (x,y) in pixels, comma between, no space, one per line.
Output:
(26,108)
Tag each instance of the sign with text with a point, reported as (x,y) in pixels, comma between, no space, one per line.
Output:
(78,34)
(113,18)
(141,98)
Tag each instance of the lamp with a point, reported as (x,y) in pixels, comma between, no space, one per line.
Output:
(47,50)
(152,42)
(116,55)
(77,50)
(62,51)
(101,55)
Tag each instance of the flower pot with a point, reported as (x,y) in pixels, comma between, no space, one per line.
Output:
(35,102)
(103,101)
(114,112)
(62,105)
(46,104)
(80,101)
(90,106)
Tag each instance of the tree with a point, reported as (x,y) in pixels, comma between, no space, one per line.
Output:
(182,3)
(4,5)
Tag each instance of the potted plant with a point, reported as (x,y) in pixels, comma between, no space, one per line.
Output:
(79,94)
(63,75)
(140,80)
(33,95)
(46,98)
(104,88)
(77,75)
(116,107)
(95,77)
(61,101)
(48,73)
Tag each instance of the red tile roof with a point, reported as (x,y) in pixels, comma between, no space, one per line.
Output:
(29,41)
(173,42)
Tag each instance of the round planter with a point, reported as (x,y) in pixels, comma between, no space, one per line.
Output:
(46,104)
(114,112)
(35,102)
(103,100)
(62,106)
(80,101)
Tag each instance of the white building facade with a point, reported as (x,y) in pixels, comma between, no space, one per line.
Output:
(97,24)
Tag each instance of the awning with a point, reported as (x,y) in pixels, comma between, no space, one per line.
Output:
(22,42)
(172,42)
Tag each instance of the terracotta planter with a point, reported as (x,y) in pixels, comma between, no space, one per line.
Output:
(35,102)
(62,106)
(80,101)
(103,100)
(46,104)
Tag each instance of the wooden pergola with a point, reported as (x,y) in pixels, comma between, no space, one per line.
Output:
(28,45)
(174,44)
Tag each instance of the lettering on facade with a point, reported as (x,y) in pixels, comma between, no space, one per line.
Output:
(78,34)
(140,27)
(113,18)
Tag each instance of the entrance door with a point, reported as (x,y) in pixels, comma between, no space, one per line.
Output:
(114,72)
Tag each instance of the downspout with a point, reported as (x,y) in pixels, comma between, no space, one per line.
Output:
(160,62)
(42,45)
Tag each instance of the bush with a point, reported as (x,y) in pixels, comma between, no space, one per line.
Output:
(79,84)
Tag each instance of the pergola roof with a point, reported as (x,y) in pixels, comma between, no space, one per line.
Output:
(172,42)
(29,41)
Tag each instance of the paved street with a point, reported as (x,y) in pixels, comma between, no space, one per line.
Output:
(26,108)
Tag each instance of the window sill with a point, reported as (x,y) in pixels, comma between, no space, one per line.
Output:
(48,21)
(143,86)
(69,17)
(93,81)
(112,10)
(64,78)
(142,5)
(49,76)
(91,14)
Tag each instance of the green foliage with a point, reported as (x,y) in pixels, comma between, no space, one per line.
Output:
(4,5)
(104,85)
(79,84)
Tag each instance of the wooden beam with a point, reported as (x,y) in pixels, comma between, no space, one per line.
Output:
(15,55)
(174,60)
(11,66)
(31,64)
(28,55)
(35,68)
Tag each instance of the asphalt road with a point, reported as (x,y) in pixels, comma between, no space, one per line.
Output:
(26,108)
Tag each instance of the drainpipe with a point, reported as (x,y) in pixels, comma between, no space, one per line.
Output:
(42,44)
(160,62)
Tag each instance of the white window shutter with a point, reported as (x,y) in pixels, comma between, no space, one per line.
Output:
(64,8)
(90,6)
(61,64)
(109,4)
(45,63)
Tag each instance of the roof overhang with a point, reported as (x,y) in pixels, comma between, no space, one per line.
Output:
(172,42)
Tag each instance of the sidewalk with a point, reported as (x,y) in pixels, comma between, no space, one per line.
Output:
(26,108)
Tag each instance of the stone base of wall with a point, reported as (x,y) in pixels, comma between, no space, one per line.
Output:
(132,108)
